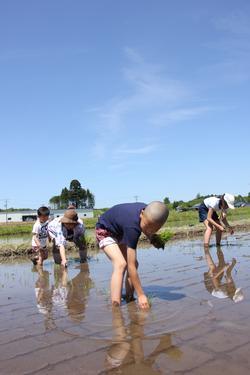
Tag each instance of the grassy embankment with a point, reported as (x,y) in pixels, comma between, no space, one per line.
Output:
(179,225)
(176,221)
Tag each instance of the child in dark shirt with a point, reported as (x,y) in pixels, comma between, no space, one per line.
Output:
(118,231)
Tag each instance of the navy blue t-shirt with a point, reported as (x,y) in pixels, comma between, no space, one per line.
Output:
(123,221)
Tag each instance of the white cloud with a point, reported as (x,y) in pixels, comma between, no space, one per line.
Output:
(179,114)
(139,150)
(152,97)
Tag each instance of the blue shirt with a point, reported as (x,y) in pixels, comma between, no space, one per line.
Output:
(123,221)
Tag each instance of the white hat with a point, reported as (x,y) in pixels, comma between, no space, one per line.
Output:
(219,294)
(238,295)
(229,199)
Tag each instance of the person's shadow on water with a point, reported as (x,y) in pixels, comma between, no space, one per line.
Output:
(167,293)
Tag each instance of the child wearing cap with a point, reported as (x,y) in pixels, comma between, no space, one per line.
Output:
(117,232)
(208,215)
(67,228)
(39,250)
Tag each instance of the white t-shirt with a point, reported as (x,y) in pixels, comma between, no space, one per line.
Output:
(212,202)
(41,231)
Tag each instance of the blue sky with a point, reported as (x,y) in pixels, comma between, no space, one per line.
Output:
(136,98)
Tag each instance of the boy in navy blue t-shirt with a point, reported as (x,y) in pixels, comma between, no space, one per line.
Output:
(118,231)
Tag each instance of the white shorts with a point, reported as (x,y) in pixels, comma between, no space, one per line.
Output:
(106,242)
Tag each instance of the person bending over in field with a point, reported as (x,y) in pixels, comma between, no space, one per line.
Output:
(67,229)
(208,215)
(117,232)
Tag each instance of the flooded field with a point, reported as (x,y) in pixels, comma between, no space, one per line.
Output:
(54,321)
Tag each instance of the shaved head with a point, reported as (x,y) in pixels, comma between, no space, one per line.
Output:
(156,212)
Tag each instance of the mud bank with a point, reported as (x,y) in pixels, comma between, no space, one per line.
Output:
(187,232)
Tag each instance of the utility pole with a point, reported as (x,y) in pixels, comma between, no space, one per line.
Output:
(136,198)
(6,208)
(6,213)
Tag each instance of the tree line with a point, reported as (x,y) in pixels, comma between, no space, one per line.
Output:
(76,195)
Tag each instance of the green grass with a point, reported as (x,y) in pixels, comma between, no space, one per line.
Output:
(190,218)
(10,229)
(176,219)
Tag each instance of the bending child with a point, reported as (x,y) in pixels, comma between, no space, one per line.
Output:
(118,231)
(208,215)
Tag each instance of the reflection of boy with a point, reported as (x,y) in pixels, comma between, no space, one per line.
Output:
(127,344)
(68,228)
(39,250)
(43,292)
(213,279)
(118,231)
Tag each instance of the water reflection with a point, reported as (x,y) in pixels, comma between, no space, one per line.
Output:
(218,279)
(63,297)
(127,343)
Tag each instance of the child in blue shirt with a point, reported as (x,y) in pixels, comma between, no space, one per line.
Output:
(118,231)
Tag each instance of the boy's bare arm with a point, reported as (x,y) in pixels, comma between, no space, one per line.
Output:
(213,222)
(227,225)
(36,240)
(133,274)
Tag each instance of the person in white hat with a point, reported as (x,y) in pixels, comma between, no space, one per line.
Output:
(208,214)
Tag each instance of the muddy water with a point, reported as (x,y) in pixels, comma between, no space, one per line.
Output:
(54,321)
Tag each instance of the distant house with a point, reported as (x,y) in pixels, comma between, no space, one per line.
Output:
(31,215)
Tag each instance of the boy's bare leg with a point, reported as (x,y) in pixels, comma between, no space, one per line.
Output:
(114,253)
(43,254)
(208,232)
(218,234)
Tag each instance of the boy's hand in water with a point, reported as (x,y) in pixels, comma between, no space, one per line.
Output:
(143,302)
(64,263)
(157,242)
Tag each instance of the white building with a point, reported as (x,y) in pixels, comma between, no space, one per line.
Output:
(31,215)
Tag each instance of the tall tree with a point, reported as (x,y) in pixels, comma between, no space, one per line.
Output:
(55,201)
(75,194)
(90,199)
(166,200)
(64,198)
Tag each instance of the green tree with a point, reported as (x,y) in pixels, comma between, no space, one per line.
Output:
(64,198)
(90,199)
(55,201)
(166,200)
(75,195)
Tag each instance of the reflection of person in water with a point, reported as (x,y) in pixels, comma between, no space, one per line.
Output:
(64,297)
(43,292)
(218,280)
(44,296)
(78,292)
(127,345)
